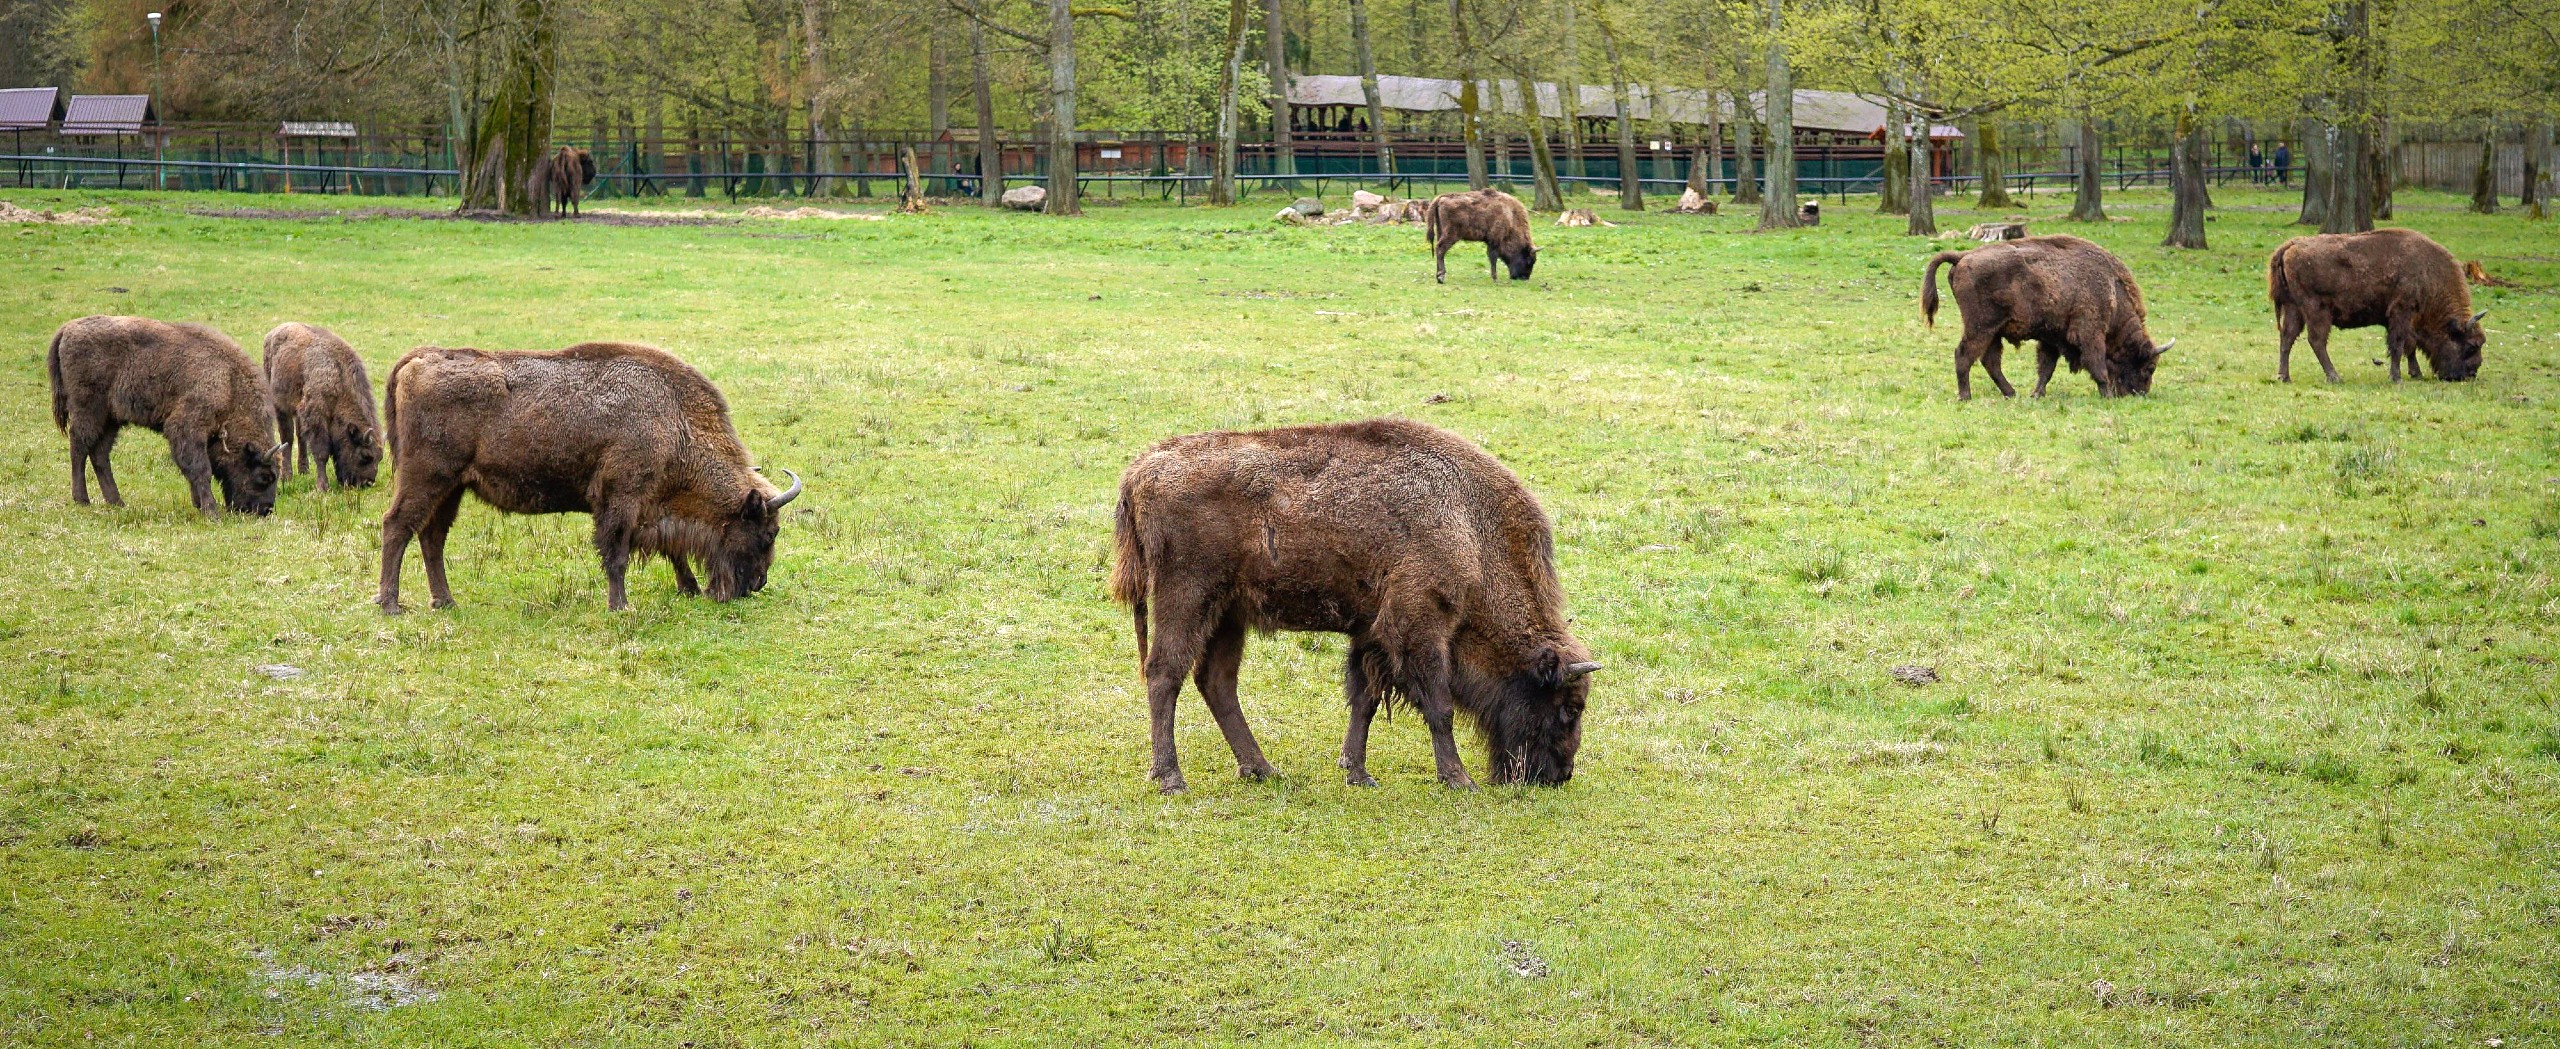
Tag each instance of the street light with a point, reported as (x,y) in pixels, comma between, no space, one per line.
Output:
(159,174)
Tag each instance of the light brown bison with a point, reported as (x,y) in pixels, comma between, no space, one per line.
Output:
(324,406)
(1491,216)
(2074,299)
(187,381)
(559,181)
(1429,554)
(626,433)
(2396,278)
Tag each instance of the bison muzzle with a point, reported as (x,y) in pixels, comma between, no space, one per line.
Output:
(1434,559)
(626,433)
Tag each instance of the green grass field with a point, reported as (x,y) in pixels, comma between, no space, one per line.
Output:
(2249,730)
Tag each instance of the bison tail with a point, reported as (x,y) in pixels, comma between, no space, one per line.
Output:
(61,392)
(1929,284)
(2277,291)
(391,404)
(1129,563)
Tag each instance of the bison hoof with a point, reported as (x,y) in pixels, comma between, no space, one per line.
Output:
(1461,781)
(441,603)
(1257,773)
(391,608)
(1172,786)
(1357,778)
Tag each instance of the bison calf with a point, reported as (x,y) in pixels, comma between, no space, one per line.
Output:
(2074,299)
(559,181)
(1429,554)
(187,381)
(626,433)
(2396,278)
(324,406)
(1493,217)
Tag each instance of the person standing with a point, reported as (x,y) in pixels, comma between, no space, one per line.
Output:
(2284,164)
(2257,164)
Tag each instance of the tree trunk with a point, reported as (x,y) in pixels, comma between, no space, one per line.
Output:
(1699,159)
(2091,205)
(1630,179)
(1924,211)
(2484,178)
(937,91)
(1275,66)
(813,33)
(2186,184)
(1369,87)
(1542,159)
(653,151)
(1470,99)
(514,132)
(2382,165)
(1894,196)
(1746,180)
(1778,201)
(1062,110)
(2537,147)
(1570,90)
(2314,137)
(1995,175)
(1222,176)
(2350,186)
(990,153)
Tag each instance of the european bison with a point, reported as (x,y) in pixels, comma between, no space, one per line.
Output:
(187,381)
(1491,216)
(559,181)
(324,406)
(626,433)
(2074,299)
(1429,554)
(2396,278)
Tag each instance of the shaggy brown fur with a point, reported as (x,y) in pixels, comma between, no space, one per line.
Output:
(1429,554)
(2074,299)
(186,381)
(2396,278)
(626,433)
(559,181)
(324,406)
(1491,216)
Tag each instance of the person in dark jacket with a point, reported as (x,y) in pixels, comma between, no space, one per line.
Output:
(2284,164)
(2257,164)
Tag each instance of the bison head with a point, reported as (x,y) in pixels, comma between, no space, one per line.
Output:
(2455,351)
(358,457)
(248,475)
(1533,721)
(2133,365)
(745,547)
(586,168)
(1521,260)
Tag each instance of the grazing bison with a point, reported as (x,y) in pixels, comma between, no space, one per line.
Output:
(626,433)
(1429,554)
(2396,278)
(2076,301)
(559,181)
(324,406)
(1496,218)
(187,381)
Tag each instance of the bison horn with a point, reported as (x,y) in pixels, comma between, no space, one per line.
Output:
(2475,318)
(788,494)
(1573,671)
(2164,347)
(275,451)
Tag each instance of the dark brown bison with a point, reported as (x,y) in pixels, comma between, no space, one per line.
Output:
(1491,216)
(1429,554)
(2396,278)
(559,181)
(324,406)
(187,381)
(2074,299)
(626,433)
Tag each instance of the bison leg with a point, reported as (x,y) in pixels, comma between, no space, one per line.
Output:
(285,432)
(685,583)
(1216,677)
(1427,681)
(1440,259)
(1968,350)
(187,449)
(1359,694)
(412,503)
(1173,648)
(81,442)
(321,452)
(2091,344)
(98,450)
(2318,325)
(2047,355)
(1991,364)
(613,544)
(1492,263)
(431,547)
(2288,328)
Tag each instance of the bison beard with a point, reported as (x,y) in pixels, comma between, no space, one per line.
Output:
(2077,302)
(324,406)
(626,433)
(1427,553)
(2396,278)
(187,381)
(1493,217)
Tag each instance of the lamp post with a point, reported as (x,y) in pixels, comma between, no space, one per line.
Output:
(160,174)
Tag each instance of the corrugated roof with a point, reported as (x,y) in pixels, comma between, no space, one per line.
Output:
(1819,110)
(29,108)
(106,114)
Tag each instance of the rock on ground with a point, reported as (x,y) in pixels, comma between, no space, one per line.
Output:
(1025,198)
